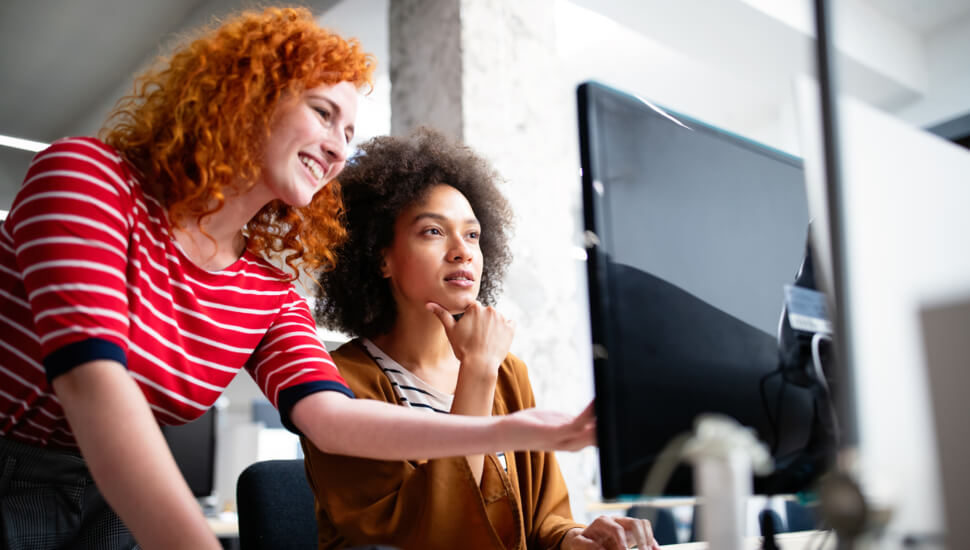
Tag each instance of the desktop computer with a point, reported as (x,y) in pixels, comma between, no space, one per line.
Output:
(693,235)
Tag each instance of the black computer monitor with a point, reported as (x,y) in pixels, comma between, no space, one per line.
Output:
(692,233)
(194,447)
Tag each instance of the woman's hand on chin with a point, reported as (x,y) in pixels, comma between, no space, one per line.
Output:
(480,338)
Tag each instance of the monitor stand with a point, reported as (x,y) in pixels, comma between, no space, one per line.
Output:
(724,455)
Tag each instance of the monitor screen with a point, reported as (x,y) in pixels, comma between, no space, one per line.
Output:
(692,234)
(194,447)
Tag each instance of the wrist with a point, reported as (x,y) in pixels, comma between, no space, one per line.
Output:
(518,432)
(480,367)
(567,539)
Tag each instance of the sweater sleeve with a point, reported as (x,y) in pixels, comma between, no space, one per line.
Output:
(432,504)
(551,515)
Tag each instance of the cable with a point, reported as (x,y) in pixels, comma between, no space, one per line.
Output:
(833,419)
(817,359)
(665,464)
(775,432)
(778,402)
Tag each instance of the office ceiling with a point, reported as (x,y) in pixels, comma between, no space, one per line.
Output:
(64,61)
(63,64)
(923,15)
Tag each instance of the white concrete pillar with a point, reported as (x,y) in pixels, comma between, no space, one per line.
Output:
(485,71)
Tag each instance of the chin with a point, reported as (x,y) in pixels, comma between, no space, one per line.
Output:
(458,306)
(300,200)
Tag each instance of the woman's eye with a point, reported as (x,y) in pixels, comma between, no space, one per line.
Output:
(324,114)
(432,231)
(474,235)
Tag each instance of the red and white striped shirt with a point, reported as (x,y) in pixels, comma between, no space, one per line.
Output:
(89,270)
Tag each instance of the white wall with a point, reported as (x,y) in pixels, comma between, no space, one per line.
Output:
(948,65)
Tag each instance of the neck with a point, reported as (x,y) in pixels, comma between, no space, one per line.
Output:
(418,342)
(216,241)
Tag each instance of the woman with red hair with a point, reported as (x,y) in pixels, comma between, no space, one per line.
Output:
(140,272)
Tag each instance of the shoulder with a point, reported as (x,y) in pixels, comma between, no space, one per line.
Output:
(81,164)
(83,153)
(84,145)
(363,375)
(514,369)
(513,386)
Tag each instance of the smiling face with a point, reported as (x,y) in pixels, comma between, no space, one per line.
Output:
(435,255)
(308,142)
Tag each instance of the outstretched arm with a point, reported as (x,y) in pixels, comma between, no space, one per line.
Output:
(337,424)
(128,457)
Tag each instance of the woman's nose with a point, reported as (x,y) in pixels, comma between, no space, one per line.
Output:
(335,146)
(460,251)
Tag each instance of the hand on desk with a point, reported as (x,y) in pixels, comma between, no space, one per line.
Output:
(611,533)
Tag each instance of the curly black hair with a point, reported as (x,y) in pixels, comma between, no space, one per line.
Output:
(385,177)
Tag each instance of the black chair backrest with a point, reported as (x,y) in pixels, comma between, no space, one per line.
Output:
(275,506)
(661,519)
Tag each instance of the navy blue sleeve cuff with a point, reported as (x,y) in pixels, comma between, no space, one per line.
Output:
(291,395)
(72,355)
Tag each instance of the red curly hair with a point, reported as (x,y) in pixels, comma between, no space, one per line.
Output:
(197,124)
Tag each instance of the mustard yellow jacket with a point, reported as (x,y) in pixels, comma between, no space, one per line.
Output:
(436,504)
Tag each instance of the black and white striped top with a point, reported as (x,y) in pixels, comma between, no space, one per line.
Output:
(411,391)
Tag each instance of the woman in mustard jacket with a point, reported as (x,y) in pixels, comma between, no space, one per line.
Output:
(428,244)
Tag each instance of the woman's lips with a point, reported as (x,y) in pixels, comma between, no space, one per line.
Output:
(315,167)
(462,278)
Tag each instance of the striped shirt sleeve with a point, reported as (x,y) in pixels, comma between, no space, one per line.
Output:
(291,361)
(70,226)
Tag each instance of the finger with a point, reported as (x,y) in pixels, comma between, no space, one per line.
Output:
(608,532)
(641,534)
(638,531)
(634,533)
(651,542)
(588,414)
(442,314)
(584,543)
(580,440)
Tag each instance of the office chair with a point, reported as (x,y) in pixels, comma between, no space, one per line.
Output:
(801,517)
(661,520)
(276,509)
(275,506)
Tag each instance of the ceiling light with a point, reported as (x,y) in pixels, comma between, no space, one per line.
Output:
(24,144)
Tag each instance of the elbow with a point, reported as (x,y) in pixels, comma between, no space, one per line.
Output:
(320,418)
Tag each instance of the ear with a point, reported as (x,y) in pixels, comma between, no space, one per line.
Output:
(385,266)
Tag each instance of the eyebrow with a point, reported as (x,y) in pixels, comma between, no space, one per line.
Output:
(438,217)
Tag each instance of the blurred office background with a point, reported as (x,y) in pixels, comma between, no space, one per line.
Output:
(501,75)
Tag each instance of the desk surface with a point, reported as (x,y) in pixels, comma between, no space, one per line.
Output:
(224,525)
(227,527)
(802,540)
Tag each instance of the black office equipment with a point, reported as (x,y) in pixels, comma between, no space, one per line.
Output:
(692,234)
(194,447)
(275,506)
